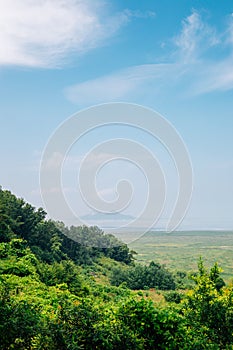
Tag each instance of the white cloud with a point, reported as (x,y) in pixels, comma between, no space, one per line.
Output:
(108,194)
(214,76)
(54,161)
(191,70)
(195,37)
(41,33)
(230,29)
(194,42)
(132,81)
(140,14)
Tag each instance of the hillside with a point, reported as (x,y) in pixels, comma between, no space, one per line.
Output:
(77,288)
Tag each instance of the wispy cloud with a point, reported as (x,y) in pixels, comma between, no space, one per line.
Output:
(121,85)
(195,37)
(230,29)
(195,41)
(190,69)
(214,76)
(139,14)
(42,33)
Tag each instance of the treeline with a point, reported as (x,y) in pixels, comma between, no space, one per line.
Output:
(51,241)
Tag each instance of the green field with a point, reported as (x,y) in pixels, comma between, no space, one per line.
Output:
(181,250)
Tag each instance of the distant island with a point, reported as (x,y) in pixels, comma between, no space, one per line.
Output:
(107,219)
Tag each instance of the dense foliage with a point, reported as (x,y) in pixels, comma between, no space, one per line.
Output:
(144,277)
(51,241)
(51,299)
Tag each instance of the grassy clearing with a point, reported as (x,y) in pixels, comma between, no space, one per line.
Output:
(151,294)
(181,250)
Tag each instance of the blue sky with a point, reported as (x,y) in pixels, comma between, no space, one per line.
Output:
(176,57)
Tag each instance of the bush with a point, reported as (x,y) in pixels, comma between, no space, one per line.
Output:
(144,277)
(208,309)
(173,297)
(19,322)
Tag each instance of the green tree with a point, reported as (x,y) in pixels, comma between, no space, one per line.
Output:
(158,328)
(139,277)
(19,322)
(208,309)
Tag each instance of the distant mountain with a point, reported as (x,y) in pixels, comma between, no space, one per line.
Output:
(107,220)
